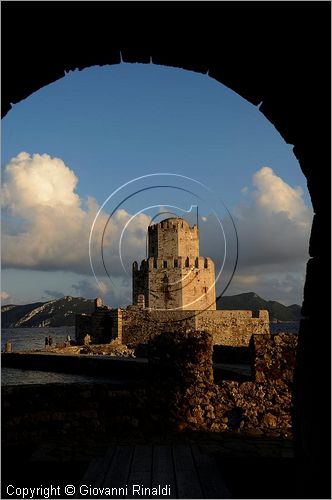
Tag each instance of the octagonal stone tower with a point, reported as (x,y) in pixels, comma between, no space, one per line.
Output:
(174,276)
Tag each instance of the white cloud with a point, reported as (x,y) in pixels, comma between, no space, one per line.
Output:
(273,231)
(275,228)
(38,181)
(47,225)
(5,296)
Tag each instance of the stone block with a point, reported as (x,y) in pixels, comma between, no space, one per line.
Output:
(273,357)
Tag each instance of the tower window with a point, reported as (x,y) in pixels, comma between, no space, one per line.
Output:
(165,264)
(205,289)
(176,263)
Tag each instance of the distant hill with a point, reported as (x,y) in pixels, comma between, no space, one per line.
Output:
(252,301)
(59,312)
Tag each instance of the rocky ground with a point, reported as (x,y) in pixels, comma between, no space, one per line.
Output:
(114,348)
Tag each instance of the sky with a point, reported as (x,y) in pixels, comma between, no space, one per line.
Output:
(71,153)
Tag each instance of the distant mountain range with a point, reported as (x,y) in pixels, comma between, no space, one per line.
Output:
(252,301)
(61,312)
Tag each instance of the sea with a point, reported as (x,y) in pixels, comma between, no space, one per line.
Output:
(23,339)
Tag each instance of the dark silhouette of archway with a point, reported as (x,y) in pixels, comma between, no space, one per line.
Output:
(275,55)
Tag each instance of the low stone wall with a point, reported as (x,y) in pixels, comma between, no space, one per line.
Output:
(273,357)
(259,407)
(98,325)
(142,325)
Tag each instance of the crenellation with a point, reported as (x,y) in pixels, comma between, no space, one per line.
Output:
(192,262)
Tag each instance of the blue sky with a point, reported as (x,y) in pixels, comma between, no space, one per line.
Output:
(111,124)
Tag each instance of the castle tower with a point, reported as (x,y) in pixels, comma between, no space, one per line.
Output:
(174,276)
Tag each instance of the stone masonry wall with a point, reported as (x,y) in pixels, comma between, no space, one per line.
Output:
(233,328)
(101,325)
(142,325)
(198,291)
(173,283)
(135,325)
(259,407)
(171,238)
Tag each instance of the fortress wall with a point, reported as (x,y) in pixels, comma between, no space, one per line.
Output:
(141,325)
(172,283)
(168,242)
(83,324)
(165,287)
(140,284)
(186,396)
(116,324)
(101,327)
(171,238)
(233,328)
(136,325)
(188,241)
(97,324)
(198,284)
(229,328)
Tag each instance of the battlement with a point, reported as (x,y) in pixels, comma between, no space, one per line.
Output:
(195,263)
(173,223)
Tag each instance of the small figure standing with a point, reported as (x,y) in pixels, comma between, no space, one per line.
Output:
(46,341)
(8,346)
(50,341)
(87,339)
(68,338)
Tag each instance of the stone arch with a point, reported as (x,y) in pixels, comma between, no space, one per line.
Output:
(265,54)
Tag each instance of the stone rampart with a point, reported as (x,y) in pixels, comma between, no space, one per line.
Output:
(232,328)
(137,324)
(259,407)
